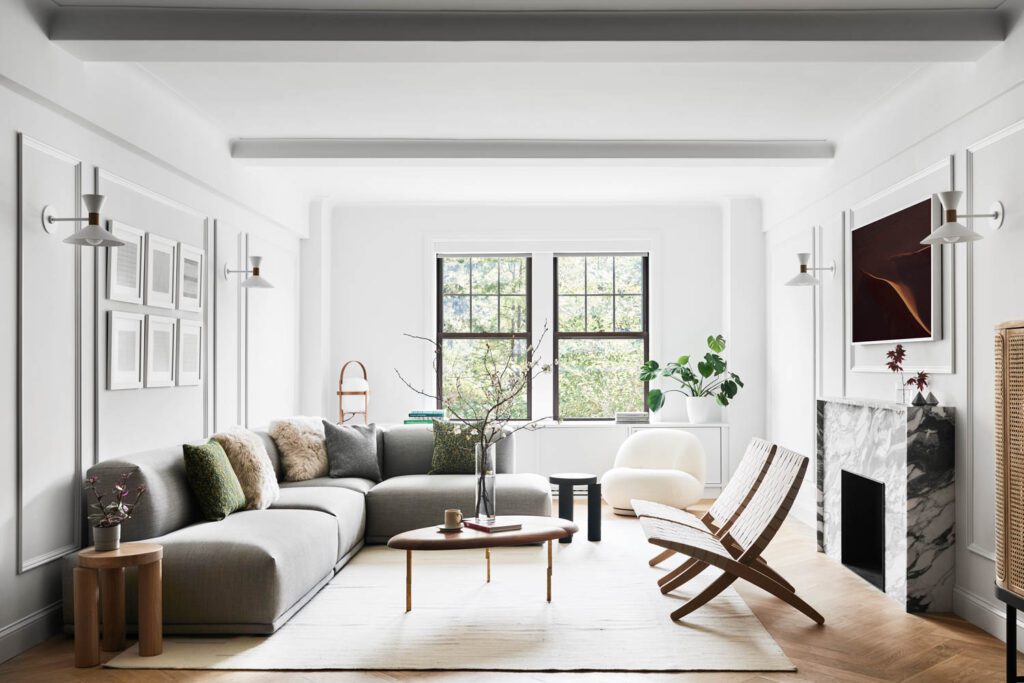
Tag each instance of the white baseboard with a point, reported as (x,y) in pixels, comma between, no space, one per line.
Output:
(29,631)
(987,614)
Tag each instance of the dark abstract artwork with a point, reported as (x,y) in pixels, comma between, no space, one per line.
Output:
(892,276)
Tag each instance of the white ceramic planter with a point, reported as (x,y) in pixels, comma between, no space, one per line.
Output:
(674,410)
(703,410)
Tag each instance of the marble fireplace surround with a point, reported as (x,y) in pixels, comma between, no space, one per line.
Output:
(910,449)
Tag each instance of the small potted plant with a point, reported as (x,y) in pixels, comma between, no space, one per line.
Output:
(707,388)
(920,381)
(111,512)
(896,356)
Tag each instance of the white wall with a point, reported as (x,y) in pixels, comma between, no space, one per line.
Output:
(972,113)
(180,180)
(381,285)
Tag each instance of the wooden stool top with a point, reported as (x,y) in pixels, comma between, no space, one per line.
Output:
(128,555)
(574,478)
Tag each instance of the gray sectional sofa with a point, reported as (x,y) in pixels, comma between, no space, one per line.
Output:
(250,572)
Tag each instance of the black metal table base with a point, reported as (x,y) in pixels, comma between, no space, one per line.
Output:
(1013,603)
(565,510)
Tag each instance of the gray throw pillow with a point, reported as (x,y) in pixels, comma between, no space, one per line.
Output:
(352,451)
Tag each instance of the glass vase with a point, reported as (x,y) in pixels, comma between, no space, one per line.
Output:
(486,466)
(901,390)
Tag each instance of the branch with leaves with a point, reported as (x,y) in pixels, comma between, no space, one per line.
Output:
(712,377)
(116,509)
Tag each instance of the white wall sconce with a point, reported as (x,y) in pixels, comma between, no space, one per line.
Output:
(255,280)
(804,277)
(93,234)
(951,231)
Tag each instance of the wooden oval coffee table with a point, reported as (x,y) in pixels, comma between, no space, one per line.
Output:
(535,530)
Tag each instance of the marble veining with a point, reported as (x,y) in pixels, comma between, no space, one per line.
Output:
(910,449)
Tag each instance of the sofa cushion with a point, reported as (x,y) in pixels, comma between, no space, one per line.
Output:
(454,448)
(300,441)
(249,459)
(409,449)
(244,574)
(352,451)
(347,507)
(419,500)
(351,483)
(213,481)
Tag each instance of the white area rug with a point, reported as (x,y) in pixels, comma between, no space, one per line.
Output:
(607,614)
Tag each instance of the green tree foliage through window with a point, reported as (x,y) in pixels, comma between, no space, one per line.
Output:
(483,311)
(601,334)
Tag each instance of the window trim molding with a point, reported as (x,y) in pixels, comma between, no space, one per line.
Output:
(556,335)
(441,335)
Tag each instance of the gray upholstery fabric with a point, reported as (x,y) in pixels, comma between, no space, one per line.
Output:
(409,502)
(352,451)
(245,571)
(168,504)
(350,483)
(409,449)
(275,455)
(347,507)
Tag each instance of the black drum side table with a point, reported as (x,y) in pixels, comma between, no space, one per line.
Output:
(1013,603)
(566,482)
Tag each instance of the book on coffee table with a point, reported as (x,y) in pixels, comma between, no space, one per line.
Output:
(491,527)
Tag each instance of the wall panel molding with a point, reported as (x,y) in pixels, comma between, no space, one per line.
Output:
(49,375)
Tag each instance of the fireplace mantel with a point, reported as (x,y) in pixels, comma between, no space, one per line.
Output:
(909,449)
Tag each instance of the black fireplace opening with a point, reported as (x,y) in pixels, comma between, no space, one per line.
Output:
(863,527)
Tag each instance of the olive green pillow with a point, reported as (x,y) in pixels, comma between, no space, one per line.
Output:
(213,481)
(454,449)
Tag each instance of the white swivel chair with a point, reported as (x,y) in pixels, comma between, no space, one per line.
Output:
(661,465)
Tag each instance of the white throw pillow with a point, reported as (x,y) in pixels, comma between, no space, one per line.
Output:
(251,463)
(300,441)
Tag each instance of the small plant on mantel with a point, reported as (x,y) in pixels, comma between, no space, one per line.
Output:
(896,356)
(920,381)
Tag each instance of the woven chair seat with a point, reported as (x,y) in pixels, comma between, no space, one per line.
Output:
(646,508)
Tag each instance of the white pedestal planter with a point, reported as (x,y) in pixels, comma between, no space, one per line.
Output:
(703,410)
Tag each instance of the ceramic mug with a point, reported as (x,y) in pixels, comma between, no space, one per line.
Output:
(452,519)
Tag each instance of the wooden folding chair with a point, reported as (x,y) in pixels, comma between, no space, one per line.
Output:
(719,517)
(738,552)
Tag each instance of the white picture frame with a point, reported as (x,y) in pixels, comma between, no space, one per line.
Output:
(124,350)
(125,264)
(160,351)
(189,353)
(191,277)
(161,264)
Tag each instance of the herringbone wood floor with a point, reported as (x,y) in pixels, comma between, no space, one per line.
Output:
(866,638)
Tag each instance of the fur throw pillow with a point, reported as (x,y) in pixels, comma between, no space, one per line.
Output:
(251,463)
(300,440)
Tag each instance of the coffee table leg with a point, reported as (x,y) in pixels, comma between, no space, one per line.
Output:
(487,552)
(87,627)
(112,595)
(594,512)
(151,609)
(565,492)
(549,571)
(408,580)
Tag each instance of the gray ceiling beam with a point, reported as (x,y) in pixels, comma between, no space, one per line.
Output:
(83,24)
(347,148)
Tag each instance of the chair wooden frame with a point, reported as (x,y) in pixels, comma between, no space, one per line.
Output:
(720,516)
(738,552)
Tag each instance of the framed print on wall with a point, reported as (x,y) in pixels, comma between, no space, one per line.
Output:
(896,282)
(190,277)
(161,262)
(190,353)
(160,343)
(125,264)
(124,350)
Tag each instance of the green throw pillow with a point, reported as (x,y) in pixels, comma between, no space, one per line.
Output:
(213,481)
(454,449)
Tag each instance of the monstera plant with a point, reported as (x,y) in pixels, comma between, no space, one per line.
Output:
(706,384)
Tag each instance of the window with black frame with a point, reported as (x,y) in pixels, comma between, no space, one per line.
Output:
(600,335)
(483,312)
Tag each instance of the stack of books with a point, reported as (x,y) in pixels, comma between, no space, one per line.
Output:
(632,418)
(498,524)
(424,417)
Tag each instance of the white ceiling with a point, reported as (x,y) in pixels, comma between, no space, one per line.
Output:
(744,101)
(528,5)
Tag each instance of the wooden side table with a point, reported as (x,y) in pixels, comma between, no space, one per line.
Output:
(106,570)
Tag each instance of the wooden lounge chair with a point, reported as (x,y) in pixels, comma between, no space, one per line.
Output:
(719,517)
(738,552)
